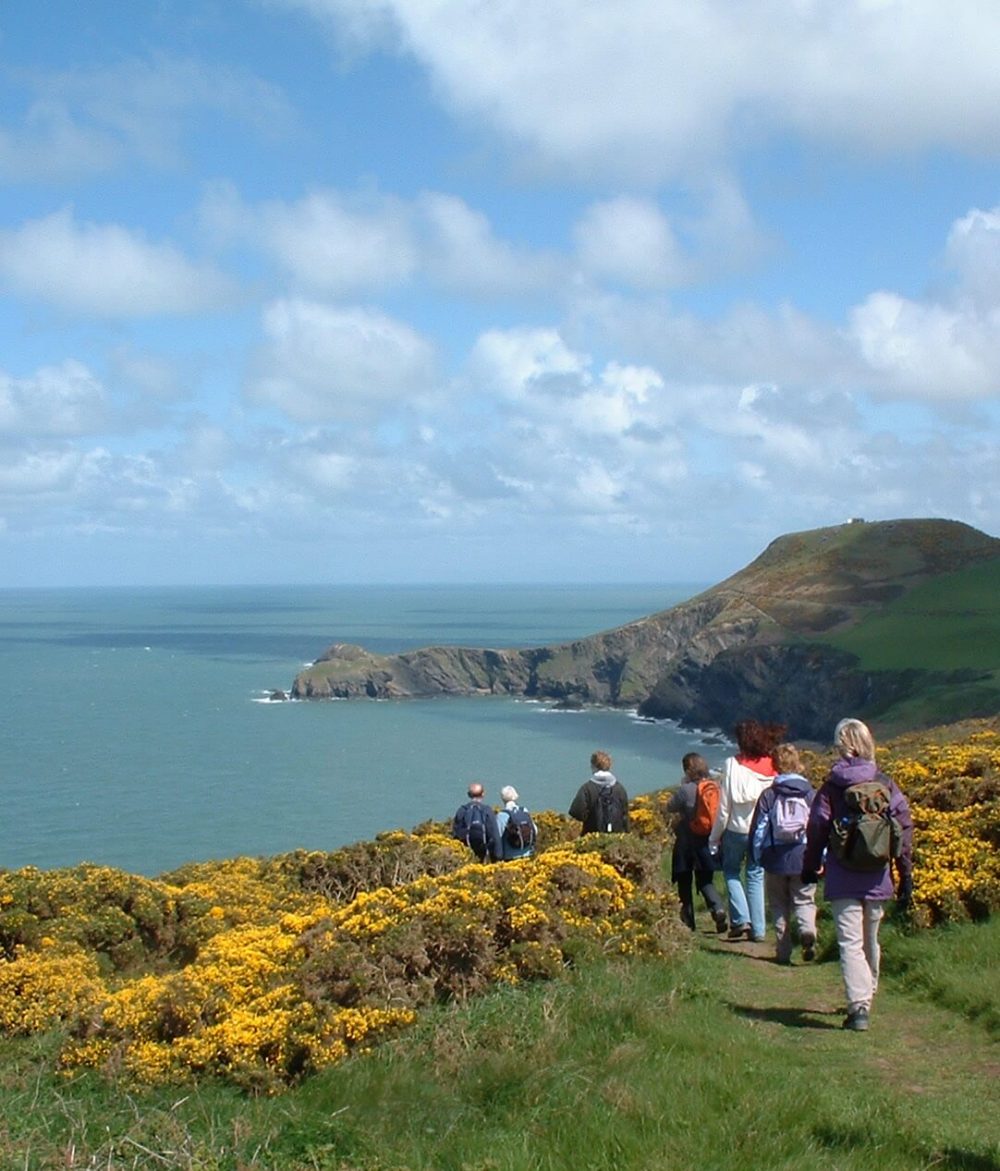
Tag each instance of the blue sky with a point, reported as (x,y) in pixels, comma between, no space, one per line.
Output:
(441,290)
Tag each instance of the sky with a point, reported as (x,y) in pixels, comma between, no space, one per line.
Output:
(303,291)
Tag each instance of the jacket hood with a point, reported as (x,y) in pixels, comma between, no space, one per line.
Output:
(852,770)
(604,778)
(745,785)
(791,783)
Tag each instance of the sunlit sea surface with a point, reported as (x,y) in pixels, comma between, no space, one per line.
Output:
(136,731)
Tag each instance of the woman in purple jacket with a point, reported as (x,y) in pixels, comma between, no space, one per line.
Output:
(856,897)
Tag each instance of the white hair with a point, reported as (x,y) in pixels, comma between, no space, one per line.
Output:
(854,738)
(508,793)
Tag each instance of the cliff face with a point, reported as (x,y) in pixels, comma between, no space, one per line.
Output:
(752,643)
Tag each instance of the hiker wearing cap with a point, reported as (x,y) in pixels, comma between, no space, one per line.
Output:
(515,827)
(859,829)
(601,803)
(475,824)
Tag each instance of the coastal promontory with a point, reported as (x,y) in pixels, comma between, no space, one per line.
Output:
(863,617)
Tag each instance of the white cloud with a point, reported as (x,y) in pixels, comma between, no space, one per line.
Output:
(150,376)
(518,362)
(629,241)
(83,121)
(343,245)
(651,89)
(34,473)
(744,343)
(322,363)
(930,351)
(973,253)
(329,243)
(105,270)
(52,146)
(944,348)
(57,400)
(464,256)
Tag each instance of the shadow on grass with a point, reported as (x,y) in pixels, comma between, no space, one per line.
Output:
(948,1159)
(792,1018)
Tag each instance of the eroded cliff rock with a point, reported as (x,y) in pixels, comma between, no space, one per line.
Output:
(752,643)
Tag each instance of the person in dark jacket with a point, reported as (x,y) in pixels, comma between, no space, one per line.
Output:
(691,863)
(475,823)
(857,897)
(778,843)
(601,803)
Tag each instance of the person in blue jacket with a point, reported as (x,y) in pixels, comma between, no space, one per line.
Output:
(509,849)
(778,843)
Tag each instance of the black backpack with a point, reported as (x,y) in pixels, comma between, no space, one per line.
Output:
(519,832)
(609,811)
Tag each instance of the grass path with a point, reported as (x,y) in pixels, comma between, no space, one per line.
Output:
(933,1075)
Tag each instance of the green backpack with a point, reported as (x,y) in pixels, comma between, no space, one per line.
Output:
(868,836)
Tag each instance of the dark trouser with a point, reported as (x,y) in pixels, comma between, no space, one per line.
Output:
(706,887)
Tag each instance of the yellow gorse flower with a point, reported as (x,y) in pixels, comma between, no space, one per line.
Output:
(263,970)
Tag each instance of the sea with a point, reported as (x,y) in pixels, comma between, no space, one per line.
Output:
(137,728)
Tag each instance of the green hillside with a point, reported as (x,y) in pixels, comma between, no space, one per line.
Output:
(948,623)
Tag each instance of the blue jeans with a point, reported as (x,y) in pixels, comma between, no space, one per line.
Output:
(745,906)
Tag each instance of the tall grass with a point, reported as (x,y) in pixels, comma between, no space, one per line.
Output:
(956,968)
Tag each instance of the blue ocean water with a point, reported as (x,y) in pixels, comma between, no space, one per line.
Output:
(136,732)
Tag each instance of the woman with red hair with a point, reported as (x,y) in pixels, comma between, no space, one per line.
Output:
(746,776)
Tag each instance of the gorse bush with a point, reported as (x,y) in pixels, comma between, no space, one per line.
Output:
(260,971)
(953,787)
(391,859)
(953,790)
(288,964)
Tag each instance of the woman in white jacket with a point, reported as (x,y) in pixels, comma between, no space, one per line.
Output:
(746,776)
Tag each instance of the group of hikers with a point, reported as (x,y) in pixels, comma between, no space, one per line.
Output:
(770,833)
(502,835)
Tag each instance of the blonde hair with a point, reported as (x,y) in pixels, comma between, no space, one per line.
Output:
(600,762)
(854,738)
(786,759)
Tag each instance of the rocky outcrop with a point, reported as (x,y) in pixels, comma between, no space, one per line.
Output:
(752,643)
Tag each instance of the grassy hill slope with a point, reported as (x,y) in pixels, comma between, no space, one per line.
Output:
(944,624)
(722,1061)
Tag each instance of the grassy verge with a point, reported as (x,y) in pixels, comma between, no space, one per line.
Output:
(721,1060)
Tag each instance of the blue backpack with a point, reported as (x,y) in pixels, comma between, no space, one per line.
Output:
(471,828)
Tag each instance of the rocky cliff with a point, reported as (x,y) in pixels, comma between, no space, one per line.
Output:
(754,643)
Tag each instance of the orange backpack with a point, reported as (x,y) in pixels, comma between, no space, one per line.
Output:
(706,805)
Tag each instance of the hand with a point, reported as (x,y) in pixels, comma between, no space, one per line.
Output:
(904,893)
(809,877)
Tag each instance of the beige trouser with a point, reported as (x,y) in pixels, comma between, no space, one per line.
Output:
(787,896)
(857,922)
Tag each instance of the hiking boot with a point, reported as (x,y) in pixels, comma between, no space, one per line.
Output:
(739,931)
(856,1021)
(721,920)
(808,948)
